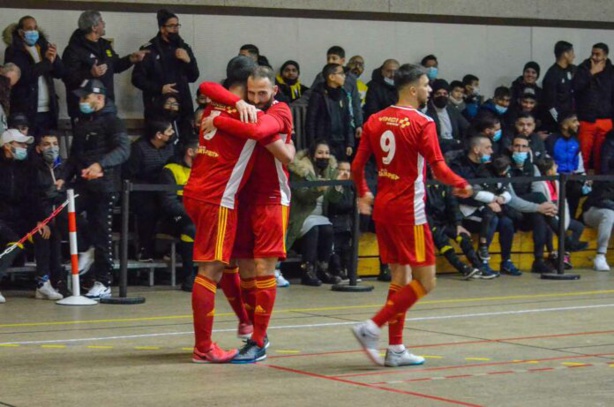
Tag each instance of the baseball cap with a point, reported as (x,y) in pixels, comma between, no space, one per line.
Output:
(15,135)
(90,86)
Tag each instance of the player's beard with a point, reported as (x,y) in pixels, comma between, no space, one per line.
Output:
(265,106)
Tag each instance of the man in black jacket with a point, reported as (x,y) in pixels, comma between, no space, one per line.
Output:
(100,146)
(557,93)
(168,68)
(594,95)
(381,92)
(34,95)
(451,124)
(89,56)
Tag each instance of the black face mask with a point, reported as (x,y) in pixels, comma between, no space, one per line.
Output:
(174,38)
(171,115)
(322,163)
(440,101)
(290,81)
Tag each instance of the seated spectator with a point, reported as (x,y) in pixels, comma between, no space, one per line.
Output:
(308,222)
(175,219)
(9,76)
(381,92)
(356,65)
(527,82)
(329,115)
(564,148)
(341,215)
(201,100)
(526,103)
(499,104)
(457,91)
(288,81)
(525,127)
(169,111)
(19,121)
(473,99)
(148,156)
(451,125)
(432,66)
(20,211)
(487,124)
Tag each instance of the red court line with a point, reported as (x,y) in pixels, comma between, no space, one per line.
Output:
(370,386)
(543,369)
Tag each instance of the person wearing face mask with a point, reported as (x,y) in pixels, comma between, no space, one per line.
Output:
(288,81)
(432,66)
(168,68)
(169,110)
(488,125)
(381,92)
(34,94)
(500,102)
(451,125)
(473,98)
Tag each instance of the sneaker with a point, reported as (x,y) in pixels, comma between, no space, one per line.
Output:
(486,273)
(144,256)
(250,353)
(86,259)
(98,291)
(214,355)
(483,253)
(469,272)
(46,292)
(267,343)
(403,358)
(309,276)
(281,281)
(600,263)
(2,299)
(245,330)
(328,278)
(541,267)
(368,340)
(385,275)
(567,261)
(507,267)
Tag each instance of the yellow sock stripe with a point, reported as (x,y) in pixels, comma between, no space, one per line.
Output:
(231,270)
(445,249)
(186,239)
(206,283)
(248,284)
(20,245)
(221,232)
(419,243)
(418,288)
(266,283)
(284,224)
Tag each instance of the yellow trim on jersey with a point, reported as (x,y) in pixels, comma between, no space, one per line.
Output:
(419,243)
(284,224)
(221,232)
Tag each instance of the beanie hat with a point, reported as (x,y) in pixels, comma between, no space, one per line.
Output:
(290,62)
(440,84)
(163,16)
(533,65)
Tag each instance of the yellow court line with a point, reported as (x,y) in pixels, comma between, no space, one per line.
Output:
(573,364)
(478,359)
(9,345)
(53,346)
(147,347)
(293,310)
(432,357)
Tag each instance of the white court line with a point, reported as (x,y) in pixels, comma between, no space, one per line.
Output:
(322,325)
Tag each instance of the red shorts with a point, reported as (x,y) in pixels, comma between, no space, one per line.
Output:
(405,244)
(261,231)
(216,228)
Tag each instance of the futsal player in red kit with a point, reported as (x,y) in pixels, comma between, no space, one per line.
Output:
(219,172)
(403,141)
(263,207)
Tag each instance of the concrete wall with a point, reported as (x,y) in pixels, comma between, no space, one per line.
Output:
(495,53)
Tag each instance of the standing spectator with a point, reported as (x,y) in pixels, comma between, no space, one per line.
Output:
(473,99)
(100,146)
(527,82)
(593,93)
(356,65)
(288,81)
(431,65)
(34,95)
(9,76)
(168,69)
(89,56)
(450,123)
(457,90)
(557,93)
(251,51)
(328,114)
(381,92)
(148,156)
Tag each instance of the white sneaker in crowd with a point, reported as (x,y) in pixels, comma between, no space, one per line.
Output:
(2,299)
(281,281)
(99,291)
(86,259)
(402,358)
(600,263)
(47,292)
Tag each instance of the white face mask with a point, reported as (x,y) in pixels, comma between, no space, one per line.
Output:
(389,81)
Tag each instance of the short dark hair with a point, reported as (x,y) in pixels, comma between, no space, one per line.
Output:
(602,46)
(47,133)
(263,72)
(329,69)
(469,79)
(525,115)
(319,142)
(485,120)
(191,142)
(456,84)
(152,127)
(22,21)
(336,50)
(562,47)
(565,115)
(520,136)
(407,74)
(238,70)
(502,91)
(427,58)
(251,48)
(544,164)
(501,163)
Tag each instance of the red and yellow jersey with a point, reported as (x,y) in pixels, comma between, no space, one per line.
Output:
(403,140)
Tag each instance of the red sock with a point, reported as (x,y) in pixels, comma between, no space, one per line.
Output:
(266,290)
(400,302)
(248,293)
(231,285)
(203,309)
(397,322)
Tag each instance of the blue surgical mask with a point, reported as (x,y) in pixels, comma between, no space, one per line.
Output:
(497,135)
(432,73)
(586,189)
(485,158)
(501,109)
(520,157)
(30,37)
(51,154)
(86,108)
(20,153)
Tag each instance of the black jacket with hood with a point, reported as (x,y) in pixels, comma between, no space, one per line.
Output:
(380,94)
(593,93)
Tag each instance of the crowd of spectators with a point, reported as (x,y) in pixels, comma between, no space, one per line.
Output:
(524,130)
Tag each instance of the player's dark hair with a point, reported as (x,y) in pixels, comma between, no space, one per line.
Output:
(407,74)
(238,70)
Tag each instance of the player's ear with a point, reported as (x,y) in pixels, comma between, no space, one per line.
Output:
(275,90)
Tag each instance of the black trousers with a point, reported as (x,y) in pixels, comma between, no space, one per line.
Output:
(317,244)
(146,209)
(182,229)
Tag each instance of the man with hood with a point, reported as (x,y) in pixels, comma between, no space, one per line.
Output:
(381,92)
(168,68)
(89,56)
(34,94)
(593,94)
(288,81)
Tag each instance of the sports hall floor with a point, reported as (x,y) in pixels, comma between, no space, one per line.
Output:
(514,341)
